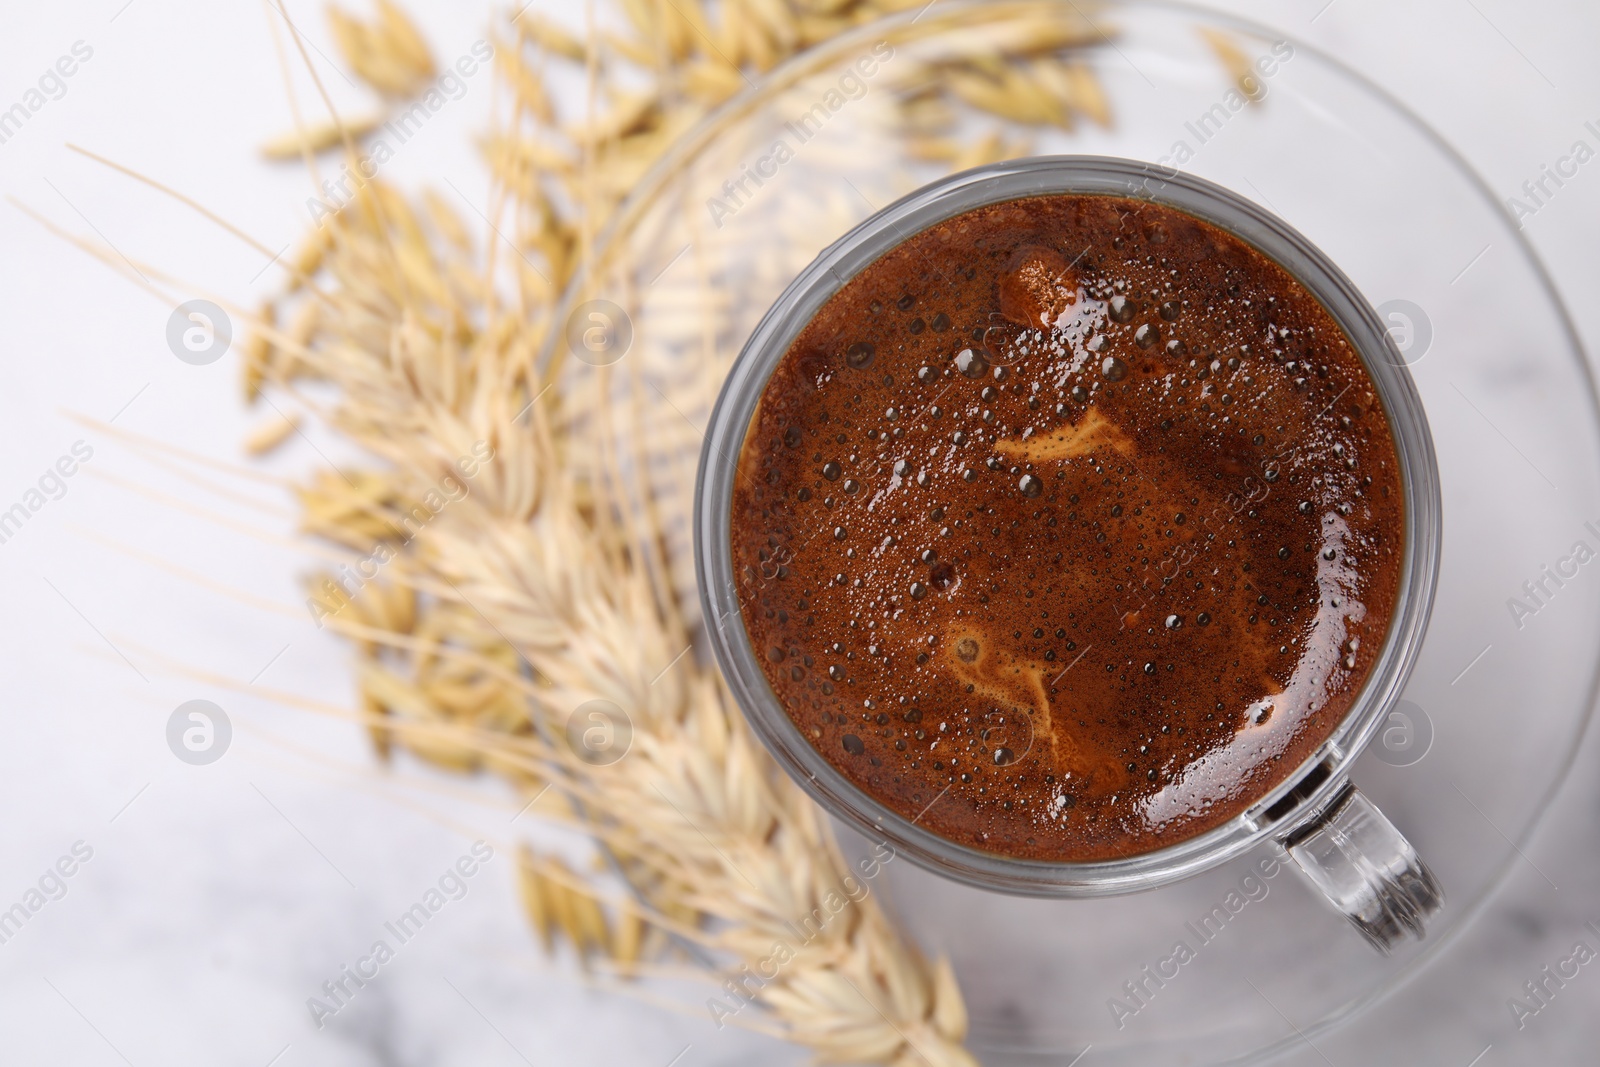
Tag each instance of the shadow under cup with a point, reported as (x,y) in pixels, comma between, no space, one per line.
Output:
(1336,837)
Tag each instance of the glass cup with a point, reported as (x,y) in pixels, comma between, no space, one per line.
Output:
(1337,838)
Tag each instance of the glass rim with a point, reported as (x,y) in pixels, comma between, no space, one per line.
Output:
(1306,790)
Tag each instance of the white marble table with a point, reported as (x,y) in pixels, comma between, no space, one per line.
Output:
(215,900)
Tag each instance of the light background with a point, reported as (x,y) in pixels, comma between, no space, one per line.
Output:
(219,898)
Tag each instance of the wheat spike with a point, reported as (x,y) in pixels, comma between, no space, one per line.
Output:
(544,576)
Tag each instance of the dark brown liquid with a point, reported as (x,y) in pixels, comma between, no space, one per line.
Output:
(1068,528)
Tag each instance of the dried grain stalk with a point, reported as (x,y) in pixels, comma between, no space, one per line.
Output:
(514,593)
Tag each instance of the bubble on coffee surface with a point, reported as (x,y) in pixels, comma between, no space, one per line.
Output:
(971,363)
(1036,286)
(1082,541)
(860,355)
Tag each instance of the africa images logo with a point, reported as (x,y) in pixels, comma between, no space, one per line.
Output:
(406,124)
(851,85)
(338,991)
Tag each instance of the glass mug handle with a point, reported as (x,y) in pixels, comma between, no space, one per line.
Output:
(1366,869)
